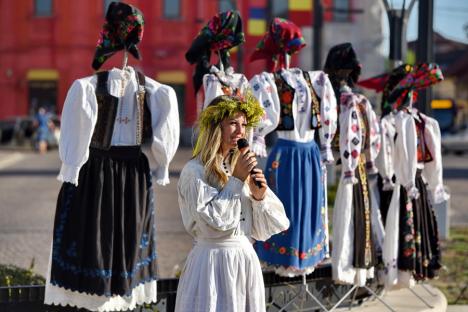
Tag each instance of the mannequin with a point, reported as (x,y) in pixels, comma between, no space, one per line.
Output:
(103,255)
(298,105)
(411,247)
(353,253)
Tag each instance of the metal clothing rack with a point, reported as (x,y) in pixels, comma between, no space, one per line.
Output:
(301,294)
(355,289)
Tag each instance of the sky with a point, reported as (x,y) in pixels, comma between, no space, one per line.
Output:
(450,16)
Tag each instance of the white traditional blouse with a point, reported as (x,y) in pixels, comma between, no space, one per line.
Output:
(220,82)
(265,90)
(80,114)
(405,162)
(384,161)
(351,134)
(211,213)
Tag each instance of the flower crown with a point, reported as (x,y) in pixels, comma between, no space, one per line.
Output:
(225,106)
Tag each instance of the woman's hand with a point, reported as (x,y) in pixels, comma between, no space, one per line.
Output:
(257,192)
(245,163)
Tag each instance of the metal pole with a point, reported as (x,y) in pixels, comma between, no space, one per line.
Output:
(317,33)
(425,49)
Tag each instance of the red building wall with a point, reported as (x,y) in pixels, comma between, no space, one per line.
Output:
(60,47)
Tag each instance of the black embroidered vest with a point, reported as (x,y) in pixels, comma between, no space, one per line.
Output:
(286,96)
(423,153)
(107,112)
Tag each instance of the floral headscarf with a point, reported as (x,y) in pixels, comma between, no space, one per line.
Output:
(283,36)
(222,32)
(123,29)
(422,76)
(386,83)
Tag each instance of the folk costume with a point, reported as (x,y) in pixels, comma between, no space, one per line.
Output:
(222,272)
(104,254)
(222,33)
(411,248)
(297,105)
(353,252)
(382,187)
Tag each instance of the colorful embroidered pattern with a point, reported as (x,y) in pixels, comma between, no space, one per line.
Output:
(286,95)
(316,119)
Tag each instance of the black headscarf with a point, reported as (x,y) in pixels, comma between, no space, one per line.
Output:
(222,32)
(123,29)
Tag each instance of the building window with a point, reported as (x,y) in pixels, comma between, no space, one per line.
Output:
(341,12)
(279,8)
(106,4)
(171,8)
(43,8)
(226,5)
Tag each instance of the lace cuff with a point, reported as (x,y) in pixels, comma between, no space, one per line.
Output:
(259,146)
(69,173)
(439,194)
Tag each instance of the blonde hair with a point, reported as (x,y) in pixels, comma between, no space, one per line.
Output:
(207,148)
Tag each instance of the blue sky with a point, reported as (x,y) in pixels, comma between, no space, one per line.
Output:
(449,18)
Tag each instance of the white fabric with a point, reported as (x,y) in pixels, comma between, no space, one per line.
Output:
(143,293)
(264,88)
(213,86)
(343,270)
(405,163)
(222,272)
(80,113)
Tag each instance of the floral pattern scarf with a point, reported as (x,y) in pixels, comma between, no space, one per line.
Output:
(422,76)
(282,37)
(123,29)
(222,32)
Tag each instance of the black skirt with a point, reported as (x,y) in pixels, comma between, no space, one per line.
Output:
(419,249)
(104,230)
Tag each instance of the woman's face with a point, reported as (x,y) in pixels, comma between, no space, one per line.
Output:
(233,129)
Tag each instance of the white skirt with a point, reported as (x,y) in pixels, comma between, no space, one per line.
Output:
(221,275)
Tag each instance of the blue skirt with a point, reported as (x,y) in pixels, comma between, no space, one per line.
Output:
(294,173)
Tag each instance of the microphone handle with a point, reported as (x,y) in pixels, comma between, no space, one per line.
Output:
(257,183)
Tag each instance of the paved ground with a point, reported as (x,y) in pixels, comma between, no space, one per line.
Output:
(28,191)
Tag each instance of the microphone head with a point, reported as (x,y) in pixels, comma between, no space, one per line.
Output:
(241,143)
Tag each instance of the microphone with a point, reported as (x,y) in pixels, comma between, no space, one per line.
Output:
(243,143)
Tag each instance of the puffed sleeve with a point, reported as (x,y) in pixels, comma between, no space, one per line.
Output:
(350,137)
(384,161)
(212,88)
(165,125)
(199,202)
(78,120)
(329,114)
(374,139)
(432,171)
(269,217)
(264,89)
(405,154)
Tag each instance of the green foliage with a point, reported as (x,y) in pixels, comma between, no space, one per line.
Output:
(11,275)
(454,277)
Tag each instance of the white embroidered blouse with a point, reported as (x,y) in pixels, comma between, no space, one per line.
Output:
(211,213)
(80,113)
(217,80)
(404,152)
(352,135)
(265,90)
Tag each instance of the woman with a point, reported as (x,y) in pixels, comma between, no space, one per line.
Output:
(222,209)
